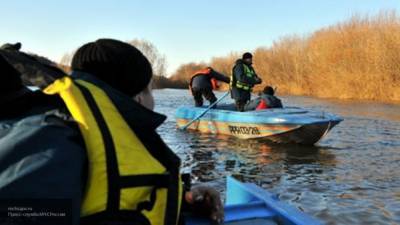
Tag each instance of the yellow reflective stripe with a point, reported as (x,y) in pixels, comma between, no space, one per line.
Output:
(243,85)
(96,191)
(240,85)
(248,71)
(127,160)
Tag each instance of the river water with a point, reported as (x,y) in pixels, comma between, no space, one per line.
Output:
(352,176)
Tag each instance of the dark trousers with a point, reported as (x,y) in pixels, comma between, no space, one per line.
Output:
(241,97)
(198,96)
(240,105)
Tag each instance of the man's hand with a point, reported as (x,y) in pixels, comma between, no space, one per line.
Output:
(206,201)
(258,80)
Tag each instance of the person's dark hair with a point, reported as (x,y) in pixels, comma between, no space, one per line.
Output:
(268,90)
(119,64)
(247,55)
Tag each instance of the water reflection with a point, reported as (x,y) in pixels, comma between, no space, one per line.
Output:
(210,158)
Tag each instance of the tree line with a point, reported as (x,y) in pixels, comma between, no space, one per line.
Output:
(355,59)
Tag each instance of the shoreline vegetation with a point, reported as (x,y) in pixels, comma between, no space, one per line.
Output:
(358,59)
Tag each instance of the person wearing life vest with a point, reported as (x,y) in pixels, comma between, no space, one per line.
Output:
(203,82)
(42,152)
(243,80)
(265,100)
(87,129)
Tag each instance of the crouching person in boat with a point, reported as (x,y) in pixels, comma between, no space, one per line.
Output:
(243,80)
(265,100)
(203,82)
(83,138)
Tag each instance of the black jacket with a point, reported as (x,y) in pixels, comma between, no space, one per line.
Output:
(203,81)
(271,101)
(42,154)
(239,75)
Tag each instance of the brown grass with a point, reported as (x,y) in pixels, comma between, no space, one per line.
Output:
(355,59)
(183,74)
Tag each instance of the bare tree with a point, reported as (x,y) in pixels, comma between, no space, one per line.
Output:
(157,60)
(65,62)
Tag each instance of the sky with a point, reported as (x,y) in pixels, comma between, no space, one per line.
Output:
(184,31)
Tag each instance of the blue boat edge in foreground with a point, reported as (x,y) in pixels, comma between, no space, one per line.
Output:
(249,202)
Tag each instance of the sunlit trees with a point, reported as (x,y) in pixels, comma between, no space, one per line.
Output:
(357,59)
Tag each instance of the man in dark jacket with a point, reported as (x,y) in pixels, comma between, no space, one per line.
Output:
(266,100)
(243,80)
(203,82)
(42,153)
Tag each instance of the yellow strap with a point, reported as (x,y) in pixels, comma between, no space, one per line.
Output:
(75,102)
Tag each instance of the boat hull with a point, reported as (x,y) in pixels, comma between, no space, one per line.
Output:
(290,125)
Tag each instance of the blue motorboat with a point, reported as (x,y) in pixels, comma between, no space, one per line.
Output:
(282,125)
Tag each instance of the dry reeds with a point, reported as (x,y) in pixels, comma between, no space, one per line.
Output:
(356,59)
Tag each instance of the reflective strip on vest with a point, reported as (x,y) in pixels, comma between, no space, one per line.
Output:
(244,86)
(118,178)
(248,72)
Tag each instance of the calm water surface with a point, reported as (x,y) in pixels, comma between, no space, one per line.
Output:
(351,177)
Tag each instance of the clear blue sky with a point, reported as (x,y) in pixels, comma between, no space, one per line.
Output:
(182,30)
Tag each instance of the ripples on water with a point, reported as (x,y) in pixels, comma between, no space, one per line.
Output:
(351,177)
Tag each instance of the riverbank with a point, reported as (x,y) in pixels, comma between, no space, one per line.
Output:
(183,85)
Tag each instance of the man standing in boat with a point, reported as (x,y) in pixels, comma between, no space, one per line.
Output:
(203,82)
(243,80)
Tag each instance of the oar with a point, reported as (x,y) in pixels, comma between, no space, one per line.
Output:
(205,111)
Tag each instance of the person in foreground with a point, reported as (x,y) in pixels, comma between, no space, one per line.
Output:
(243,80)
(123,173)
(265,100)
(203,82)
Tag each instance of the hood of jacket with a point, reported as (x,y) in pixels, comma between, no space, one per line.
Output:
(239,61)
